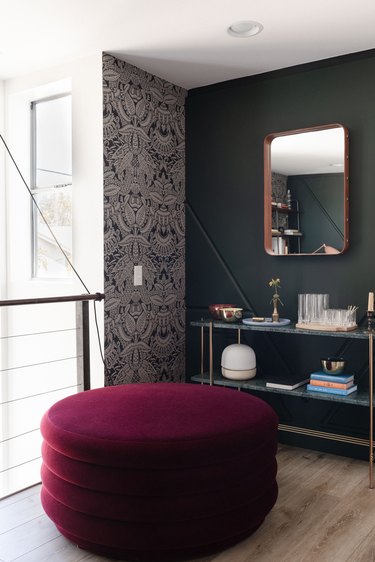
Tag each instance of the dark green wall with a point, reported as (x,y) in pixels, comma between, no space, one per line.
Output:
(321,204)
(225,259)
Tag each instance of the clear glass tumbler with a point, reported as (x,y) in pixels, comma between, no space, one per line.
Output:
(311,307)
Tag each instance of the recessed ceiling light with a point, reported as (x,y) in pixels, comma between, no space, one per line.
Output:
(245,28)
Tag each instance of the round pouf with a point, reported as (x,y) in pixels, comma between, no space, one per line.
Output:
(158,472)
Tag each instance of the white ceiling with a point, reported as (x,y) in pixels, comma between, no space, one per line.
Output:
(182,41)
(315,152)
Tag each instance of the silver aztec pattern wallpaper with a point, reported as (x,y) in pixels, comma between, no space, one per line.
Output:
(144,224)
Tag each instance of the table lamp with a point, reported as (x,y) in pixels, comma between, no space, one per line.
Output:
(238,362)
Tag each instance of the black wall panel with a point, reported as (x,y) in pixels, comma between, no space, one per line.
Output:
(225,259)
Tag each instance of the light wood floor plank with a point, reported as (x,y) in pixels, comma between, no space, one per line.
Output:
(58,549)
(325,513)
(20,512)
(26,537)
(15,498)
(365,551)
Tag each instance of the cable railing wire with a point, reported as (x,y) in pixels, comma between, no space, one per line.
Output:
(13,336)
(40,394)
(40,363)
(20,464)
(57,243)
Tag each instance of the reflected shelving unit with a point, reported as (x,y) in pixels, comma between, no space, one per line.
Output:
(287,237)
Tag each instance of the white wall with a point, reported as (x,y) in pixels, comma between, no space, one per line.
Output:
(29,385)
(85,75)
(3,311)
(2,197)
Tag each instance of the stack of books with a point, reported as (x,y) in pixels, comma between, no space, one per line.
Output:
(279,244)
(331,384)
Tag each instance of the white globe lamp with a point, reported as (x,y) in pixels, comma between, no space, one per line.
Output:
(238,362)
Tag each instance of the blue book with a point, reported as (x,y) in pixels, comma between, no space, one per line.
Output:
(320,376)
(328,390)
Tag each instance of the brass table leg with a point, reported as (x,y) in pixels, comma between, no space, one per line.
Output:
(202,353)
(211,356)
(371,436)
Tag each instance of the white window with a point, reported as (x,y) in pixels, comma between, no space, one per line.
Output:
(51,184)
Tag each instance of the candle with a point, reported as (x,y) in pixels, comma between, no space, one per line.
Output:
(370,306)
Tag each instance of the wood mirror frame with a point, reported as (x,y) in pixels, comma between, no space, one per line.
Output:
(309,179)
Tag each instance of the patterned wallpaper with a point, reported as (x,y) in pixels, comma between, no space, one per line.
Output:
(144,224)
(279,182)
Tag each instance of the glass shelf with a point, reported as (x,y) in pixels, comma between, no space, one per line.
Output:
(284,210)
(359,333)
(285,235)
(359,398)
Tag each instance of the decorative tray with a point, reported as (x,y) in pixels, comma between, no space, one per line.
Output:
(266,322)
(326,327)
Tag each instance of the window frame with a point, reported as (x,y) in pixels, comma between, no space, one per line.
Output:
(35,190)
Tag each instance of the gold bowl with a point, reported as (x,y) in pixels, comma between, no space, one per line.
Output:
(333,365)
(231,314)
(214,309)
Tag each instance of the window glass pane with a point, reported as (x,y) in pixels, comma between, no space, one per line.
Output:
(51,182)
(53,142)
(56,206)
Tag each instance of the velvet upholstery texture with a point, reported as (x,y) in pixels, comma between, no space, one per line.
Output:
(161,471)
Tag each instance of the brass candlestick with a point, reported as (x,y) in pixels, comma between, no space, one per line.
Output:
(370,315)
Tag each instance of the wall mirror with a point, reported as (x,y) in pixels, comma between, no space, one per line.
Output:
(306,191)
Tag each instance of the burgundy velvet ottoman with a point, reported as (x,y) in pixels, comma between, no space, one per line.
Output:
(158,472)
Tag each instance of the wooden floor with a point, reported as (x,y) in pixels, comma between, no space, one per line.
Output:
(325,512)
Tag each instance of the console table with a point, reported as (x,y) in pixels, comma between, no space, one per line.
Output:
(359,398)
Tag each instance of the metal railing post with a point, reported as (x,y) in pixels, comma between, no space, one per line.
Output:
(83,344)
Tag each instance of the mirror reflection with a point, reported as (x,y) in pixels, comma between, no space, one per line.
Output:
(306,191)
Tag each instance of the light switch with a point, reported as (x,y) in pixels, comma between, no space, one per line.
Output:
(138,275)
